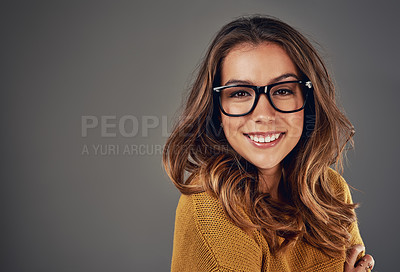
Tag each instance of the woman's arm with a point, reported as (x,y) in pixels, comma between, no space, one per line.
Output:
(356,260)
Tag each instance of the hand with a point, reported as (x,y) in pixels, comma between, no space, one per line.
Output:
(366,263)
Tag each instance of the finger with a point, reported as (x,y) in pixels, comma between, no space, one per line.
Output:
(367,262)
(352,254)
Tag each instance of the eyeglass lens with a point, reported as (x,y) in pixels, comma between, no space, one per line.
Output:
(240,100)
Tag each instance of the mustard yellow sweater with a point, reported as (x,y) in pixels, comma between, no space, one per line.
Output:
(205,240)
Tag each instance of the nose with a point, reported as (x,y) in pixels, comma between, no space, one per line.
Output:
(263,112)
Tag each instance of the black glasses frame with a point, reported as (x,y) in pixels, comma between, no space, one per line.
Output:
(263,90)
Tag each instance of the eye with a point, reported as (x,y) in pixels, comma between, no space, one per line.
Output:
(240,94)
(283,92)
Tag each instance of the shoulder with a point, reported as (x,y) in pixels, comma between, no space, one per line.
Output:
(206,209)
(200,208)
(339,185)
(201,217)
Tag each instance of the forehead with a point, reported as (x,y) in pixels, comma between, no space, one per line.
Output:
(258,63)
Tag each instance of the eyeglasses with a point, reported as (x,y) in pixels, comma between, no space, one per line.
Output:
(286,97)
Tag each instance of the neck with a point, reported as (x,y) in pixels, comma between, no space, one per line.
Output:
(269,181)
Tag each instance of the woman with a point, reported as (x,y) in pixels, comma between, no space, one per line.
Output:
(251,156)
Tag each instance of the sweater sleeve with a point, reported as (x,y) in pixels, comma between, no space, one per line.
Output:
(342,188)
(205,239)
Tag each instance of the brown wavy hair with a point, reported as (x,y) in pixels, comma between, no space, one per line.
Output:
(198,158)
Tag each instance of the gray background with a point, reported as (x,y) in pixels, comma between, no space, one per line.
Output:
(62,210)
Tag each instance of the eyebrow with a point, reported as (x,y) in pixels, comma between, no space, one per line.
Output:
(274,80)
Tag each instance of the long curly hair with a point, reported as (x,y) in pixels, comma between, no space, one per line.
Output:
(197,156)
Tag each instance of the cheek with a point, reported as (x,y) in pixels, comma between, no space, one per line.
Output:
(294,123)
(232,125)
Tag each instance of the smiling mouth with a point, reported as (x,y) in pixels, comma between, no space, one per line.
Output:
(265,138)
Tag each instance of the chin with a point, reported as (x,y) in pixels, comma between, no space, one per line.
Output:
(265,164)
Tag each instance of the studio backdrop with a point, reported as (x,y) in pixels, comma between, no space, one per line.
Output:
(89,93)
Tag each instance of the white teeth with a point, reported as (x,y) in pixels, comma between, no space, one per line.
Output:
(261,139)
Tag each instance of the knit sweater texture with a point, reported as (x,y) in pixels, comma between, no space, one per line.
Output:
(206,240)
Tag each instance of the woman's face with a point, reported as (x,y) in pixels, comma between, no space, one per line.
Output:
(261,65)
